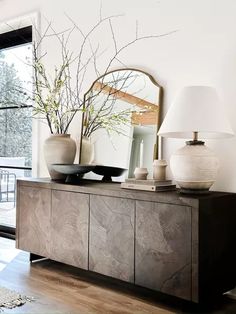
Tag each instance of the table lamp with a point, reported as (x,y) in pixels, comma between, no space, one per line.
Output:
(196,113)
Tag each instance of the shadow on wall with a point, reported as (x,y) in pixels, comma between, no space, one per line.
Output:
(226,149)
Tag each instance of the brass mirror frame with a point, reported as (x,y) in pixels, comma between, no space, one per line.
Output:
(159,115)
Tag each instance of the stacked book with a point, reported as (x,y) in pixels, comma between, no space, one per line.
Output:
(148,185)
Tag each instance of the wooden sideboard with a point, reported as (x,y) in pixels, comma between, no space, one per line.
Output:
(181,245)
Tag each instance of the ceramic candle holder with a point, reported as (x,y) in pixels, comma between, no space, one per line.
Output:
(140,173)
(159,169)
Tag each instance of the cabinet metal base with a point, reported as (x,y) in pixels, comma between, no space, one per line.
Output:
(36,258)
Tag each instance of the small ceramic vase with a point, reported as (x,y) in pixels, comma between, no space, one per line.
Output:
(87,151)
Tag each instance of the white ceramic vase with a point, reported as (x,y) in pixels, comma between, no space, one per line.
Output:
(59,149)
(87,151)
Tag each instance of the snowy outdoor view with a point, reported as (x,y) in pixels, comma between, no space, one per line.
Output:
(15,125)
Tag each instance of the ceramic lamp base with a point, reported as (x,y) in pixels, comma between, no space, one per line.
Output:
(194,167)
(194,191)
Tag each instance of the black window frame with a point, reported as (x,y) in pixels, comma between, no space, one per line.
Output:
(12,39)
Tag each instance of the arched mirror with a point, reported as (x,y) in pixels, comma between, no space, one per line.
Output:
(121,118)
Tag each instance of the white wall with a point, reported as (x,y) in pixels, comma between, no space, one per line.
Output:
(201,51)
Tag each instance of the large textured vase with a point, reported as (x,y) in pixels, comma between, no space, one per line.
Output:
(59,149)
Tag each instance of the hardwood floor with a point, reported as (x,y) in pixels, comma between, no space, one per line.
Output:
(58,288)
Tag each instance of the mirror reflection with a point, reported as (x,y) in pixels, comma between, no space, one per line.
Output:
(120,123)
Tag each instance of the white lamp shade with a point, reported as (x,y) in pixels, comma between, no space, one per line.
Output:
(196,109)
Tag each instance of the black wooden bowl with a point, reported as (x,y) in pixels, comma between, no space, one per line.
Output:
(74,172)
(73,168)
(107,172)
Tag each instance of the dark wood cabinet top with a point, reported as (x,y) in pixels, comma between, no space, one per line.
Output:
(113,189)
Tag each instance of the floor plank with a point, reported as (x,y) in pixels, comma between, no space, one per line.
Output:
(58,288)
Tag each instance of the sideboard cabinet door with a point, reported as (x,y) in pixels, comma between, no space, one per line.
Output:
(33,220)
(163,248)
(111,244)
(69,223)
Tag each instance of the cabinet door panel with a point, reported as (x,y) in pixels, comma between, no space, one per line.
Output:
(33,223)
(70,215)
(111,249)
(163,248)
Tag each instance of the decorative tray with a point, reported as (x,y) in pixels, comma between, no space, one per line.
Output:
(75,172)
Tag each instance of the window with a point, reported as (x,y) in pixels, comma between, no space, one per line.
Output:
(15,117)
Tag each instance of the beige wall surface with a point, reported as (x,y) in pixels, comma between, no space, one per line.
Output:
(201,52)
